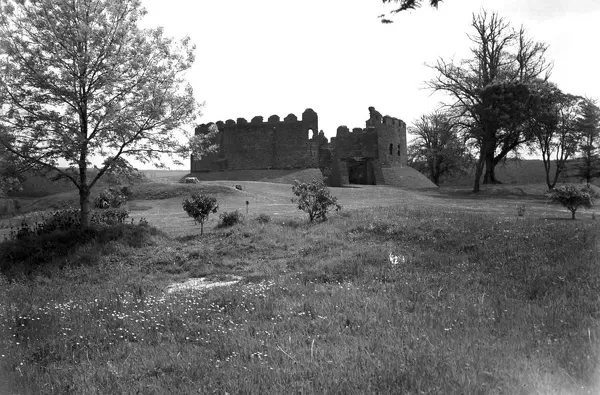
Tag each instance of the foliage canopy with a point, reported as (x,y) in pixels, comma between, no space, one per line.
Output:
(315,199)
(199,207)
(572,197)
(79,80)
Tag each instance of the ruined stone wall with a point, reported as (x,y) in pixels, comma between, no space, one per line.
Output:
(391,141)
(274,144)
(362,153)
(358,143)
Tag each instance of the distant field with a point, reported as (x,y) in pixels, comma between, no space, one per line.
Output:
(165,175)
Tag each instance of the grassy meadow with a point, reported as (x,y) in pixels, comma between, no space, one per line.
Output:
(401,292)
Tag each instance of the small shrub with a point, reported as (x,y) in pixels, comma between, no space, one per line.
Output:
(315,199)
(571,197)
(199,207)
(230,219)
(292,223)
(126,191)
(111,198)
(521,211)
(61,220)
(64,219)
(263,219)
(113,216)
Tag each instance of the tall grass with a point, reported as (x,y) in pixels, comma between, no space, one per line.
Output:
(379,301)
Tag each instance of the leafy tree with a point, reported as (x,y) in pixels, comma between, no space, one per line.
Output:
(490,90)
(120,172)
(588,165)
(199,207)
(571,197)
(406,5)
(204,143)
(437,150)
(80,80)
(315,199)
(10,177)
(555,128)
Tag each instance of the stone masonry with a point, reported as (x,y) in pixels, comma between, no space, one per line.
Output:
(360,156)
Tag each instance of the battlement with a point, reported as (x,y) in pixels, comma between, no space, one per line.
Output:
(272,123)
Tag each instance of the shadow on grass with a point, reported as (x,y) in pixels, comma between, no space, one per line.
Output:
(468,194)
(24,255)
(563,219)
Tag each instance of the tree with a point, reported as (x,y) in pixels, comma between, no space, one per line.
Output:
(406,5)
(119,171)
(555,128)
(571,197)
(204,143)
(199,207)
(10,177)
(490,90)
(437,150)
(315,199)
(588,166)
(80,80)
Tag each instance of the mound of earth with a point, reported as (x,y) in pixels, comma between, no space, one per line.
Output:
(406,177)
(273,175)
(158,190)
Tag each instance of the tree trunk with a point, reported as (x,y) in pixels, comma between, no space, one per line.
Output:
(84,203)
(572,214)
(490,175)
(84,194)
(431,166)
(559,169)
(547,162)
(478,170)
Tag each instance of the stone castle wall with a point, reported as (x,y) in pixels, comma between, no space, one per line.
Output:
(257,144)
(361,153)
(356,156)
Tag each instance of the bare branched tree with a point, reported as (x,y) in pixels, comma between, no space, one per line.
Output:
(490,88)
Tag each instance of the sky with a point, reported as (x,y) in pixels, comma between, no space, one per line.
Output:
(266,57)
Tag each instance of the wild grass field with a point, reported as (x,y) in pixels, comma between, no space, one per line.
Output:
(400,292)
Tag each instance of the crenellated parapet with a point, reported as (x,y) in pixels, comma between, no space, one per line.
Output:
(309,120)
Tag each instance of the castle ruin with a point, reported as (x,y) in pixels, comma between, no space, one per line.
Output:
(360,156)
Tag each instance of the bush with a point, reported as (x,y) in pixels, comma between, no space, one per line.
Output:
(26,253)
(230,219)
(572,197)
(113,216)
(111,198)
(66,220)
(199,206)
(315,199)
(263,219)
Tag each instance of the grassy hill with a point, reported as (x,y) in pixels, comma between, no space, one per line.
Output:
(517,172)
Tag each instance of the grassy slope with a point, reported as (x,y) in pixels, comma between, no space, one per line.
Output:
(514,172)
(481,302)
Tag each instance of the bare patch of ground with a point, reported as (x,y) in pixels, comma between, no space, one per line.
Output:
(200,284)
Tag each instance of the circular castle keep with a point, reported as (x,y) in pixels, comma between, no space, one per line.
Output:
(259,150)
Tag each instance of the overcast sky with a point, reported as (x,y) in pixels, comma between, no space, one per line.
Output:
(265,57)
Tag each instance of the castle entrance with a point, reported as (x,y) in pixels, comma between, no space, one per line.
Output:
(360,171)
